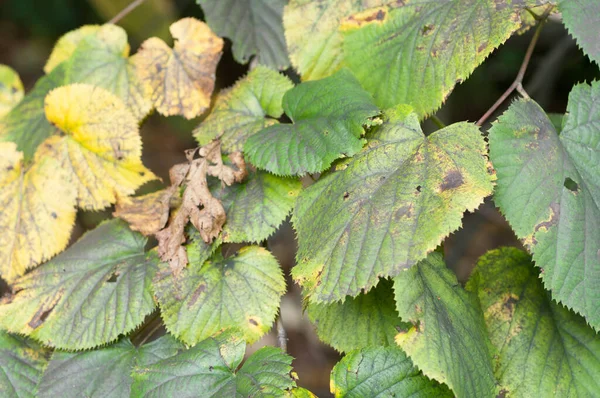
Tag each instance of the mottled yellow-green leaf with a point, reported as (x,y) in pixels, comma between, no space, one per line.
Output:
(102,59)
(11,89)
(101,149)
(240,293)
(254,103)
(180,81)
(65,46)
(312,35)
(38,211)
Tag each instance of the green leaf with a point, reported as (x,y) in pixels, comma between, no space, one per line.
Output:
(105,372)
(415,52)
(549,190)
(369,319)
(387,207)
(255,27)
(66,45)
(210,369)
(26,123)
(102,59)
(543,349)
(88,295)
(448,342)
(582,17)
(251,105)
(312,35)
(382,372)
(22,362)
(256,207)
(11,89)
(241,292)
(328,117)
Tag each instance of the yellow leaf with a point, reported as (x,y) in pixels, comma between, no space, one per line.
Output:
(11,89)
(66,45)
(101,149)
(38,211)
(180,81)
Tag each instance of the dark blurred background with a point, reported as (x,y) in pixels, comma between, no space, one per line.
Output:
(29,28)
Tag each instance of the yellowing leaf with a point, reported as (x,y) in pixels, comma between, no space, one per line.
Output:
(101,151)
(11,89)
(180,81)
(37,211)
(65,46)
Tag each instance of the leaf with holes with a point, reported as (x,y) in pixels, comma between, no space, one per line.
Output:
(449,341)
(38,211)
(549,191)
(101,149)
(382,372)
(180,81)
(240,292)
(26,123)
(415,52)
(369,319)
(329,118)
(87,296)
(66,45)
(388,206)
(255,27)
(102,59)
(256,207)
(312,33)
(211,367)
(11,89)
(22,362)
(581,17)
(105,372)
(251,105)
(535,338)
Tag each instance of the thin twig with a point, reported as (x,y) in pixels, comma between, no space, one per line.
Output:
(132,6)
(518,83)
(436,120)
(150,334)
(281,335)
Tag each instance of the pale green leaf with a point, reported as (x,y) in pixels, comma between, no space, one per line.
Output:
(66,45)
(240,292)
(26,123)
(22,362)
(210,369)
(105,372)
(88,295)
(11,89)
(380,372)
(255,27)
(543,349)
(549,190)
(251,105)
(388,206)
(256,207)
(369,319)
(328,117)
(449,340)
(582,17)
(102,59)
(415,52)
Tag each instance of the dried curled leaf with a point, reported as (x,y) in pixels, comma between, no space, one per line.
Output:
(38,211)
(180,81)
(147,214)
(101,149)
(210,219)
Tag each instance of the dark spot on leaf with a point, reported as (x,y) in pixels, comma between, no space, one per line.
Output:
(253,322)
(40,316)
(509,304)
(158,67)
(482,47)
(14,90)
(571,185)
(427,29)
(452,180)
(434,53)
(113,278)
(53,215)
(210,368)
(555,212)
(9,168)
(403,211)
(420,48)
(346,195)
(418,188)
(142,173)
(196,294)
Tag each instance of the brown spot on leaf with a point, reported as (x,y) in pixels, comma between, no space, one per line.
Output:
(427,29)
(482,47)
(113,278)
(253,321)
(554,214)
(54,215)
(196,294)
(404,211)
(40,316)
(346,195)
(374,15)
(571,185)
(452,180)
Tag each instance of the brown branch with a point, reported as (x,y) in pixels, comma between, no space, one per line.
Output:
(125,11)
(517,84)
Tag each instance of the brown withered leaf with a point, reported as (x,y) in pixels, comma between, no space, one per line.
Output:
(198,206)
(147,214)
